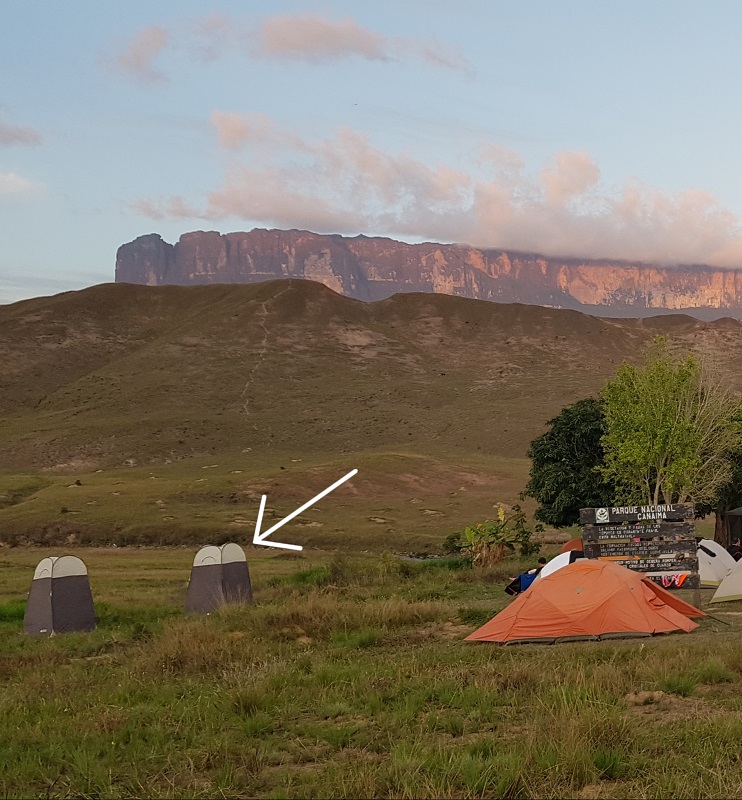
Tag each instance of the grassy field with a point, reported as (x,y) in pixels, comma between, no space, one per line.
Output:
(349,677)
(402,502)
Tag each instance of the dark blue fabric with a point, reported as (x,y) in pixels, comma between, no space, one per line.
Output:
(526,579)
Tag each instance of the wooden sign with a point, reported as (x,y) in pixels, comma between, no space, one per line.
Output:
(669,565)
(650,539)
(606,515)
(630,532)
(680,549)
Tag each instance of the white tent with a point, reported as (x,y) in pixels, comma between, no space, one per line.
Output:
(714,563)
(731,587)
(562,560)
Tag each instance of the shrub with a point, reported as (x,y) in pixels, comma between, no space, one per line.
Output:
(487,543)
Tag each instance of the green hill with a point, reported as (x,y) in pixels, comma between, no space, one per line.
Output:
(203,397)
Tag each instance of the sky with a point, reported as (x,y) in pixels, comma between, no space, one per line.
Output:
(570,127)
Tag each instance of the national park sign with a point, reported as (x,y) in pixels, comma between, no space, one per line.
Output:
(655,540)
(606,515)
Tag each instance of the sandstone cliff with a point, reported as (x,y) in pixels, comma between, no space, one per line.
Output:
(375,268)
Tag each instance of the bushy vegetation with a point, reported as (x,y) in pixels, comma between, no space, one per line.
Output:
(666,431)
(487,543)
(565,465)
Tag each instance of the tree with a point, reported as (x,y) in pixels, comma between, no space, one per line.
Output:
(671,426)
(565,465)
(728,498)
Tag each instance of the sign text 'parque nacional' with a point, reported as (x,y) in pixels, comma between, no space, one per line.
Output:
(654,540)
(602,516)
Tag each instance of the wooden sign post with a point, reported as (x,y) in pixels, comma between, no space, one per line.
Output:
(655,540)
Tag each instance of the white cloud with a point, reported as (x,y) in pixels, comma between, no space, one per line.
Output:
(12,184)
(345,184)
(137,58)
(316,39)
(308,38)
(13,134)
(569,177)
(235,131)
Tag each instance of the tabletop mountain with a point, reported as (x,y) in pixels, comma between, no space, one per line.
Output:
(375,268)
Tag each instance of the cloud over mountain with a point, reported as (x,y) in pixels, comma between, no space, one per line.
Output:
(345,184)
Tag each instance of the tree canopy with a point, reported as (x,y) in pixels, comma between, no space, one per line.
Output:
(565,465)
(671,426)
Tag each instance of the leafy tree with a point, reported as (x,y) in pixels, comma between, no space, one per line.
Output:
(670,428)
(728,497)
(487,543)
(565,465)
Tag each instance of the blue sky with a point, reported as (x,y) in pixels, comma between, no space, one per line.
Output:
(576,128)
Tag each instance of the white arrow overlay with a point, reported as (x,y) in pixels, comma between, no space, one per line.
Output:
(259,538)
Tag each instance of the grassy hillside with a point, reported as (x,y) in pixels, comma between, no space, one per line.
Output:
(197,399)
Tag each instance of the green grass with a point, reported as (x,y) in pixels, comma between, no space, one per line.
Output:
(386,506)
(679,684)
(336,683)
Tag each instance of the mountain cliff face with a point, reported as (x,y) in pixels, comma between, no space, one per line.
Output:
(375,268)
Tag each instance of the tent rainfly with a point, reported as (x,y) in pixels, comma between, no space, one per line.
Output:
(60,600)
(572,544)
(714,563)
(731,587)
(219,575)
(588,599)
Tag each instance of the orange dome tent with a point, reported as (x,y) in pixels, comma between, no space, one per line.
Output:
(572,544)
(589,599)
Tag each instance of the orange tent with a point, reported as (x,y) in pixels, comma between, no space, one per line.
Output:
(572,544)
(589,599)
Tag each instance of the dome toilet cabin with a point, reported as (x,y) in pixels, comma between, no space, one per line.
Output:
(219,576)
(60,600)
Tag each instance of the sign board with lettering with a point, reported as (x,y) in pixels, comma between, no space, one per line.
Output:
(650,539)
(607,515)
(632,532)
(678,550)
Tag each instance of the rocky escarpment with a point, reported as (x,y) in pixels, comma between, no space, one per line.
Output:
(375,268)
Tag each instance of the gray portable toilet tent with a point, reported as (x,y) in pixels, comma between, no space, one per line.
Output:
(60,600)
(219,575)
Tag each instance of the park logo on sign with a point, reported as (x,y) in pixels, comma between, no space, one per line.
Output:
(601,515)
